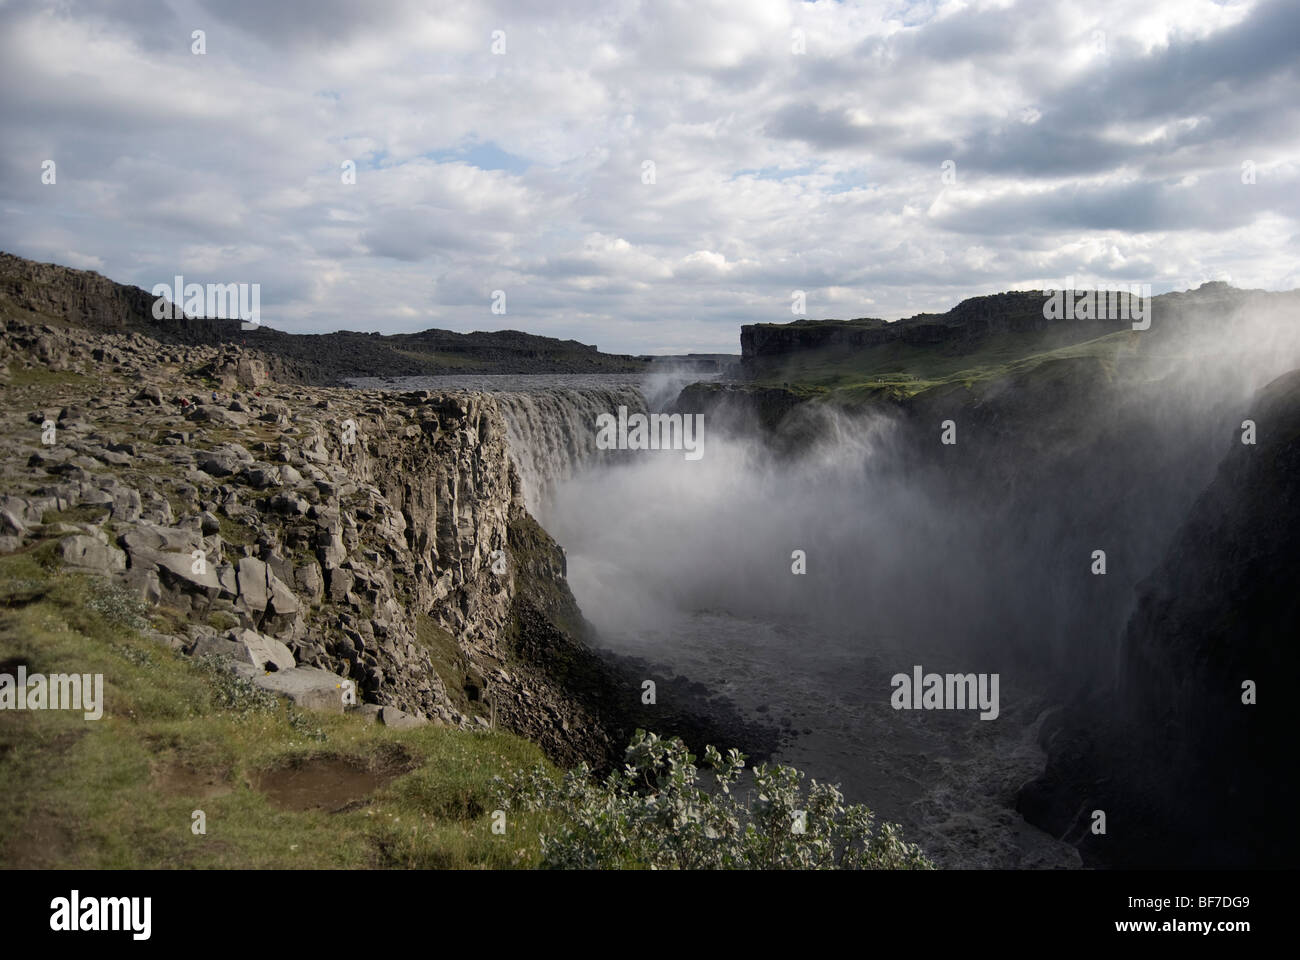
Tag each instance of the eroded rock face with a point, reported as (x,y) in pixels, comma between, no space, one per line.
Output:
(350,533)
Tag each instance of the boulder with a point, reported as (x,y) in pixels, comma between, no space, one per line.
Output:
(11,524)
(400,719)
(219,646)
(179,572)
(82,552)
(150,536)
(340,583)
(250,373)
(150,394)
(252,575)
(282,601)
(308,579)
(264,596)
(308,687)
(210,413)
(261,476)
(265,652)
(218,463)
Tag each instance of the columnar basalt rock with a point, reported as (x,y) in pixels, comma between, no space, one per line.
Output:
(349,532)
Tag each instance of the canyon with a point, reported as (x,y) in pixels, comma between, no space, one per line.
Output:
(359,534)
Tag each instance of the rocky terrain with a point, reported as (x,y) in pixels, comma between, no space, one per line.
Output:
(87,299)
(310,535)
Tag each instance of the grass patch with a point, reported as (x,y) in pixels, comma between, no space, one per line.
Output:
(232,531)
(87,513)
(221,620)
(179,735)
(899,371)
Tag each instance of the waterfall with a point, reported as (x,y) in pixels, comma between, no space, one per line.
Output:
(551,418)
(552,434)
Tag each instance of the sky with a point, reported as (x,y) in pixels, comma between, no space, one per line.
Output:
(648,176)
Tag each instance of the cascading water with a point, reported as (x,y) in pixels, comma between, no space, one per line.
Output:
(553,435)
(551,419)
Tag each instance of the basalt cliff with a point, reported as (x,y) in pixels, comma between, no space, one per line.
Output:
(318,540)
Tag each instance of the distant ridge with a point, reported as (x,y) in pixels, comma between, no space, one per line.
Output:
(63,295)
(972,323)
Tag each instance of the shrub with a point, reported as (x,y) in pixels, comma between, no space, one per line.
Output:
(117,606)
(657,813)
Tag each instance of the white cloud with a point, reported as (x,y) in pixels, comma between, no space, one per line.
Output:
(774,170)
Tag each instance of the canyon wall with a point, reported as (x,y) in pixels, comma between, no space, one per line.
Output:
(1191,756)
(86,299)
(317,535)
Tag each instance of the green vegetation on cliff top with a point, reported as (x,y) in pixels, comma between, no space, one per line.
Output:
(900,370)
(279,788)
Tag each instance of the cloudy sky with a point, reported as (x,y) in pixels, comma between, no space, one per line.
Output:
(910,156)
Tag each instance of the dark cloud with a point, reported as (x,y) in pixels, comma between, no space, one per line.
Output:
(306,23)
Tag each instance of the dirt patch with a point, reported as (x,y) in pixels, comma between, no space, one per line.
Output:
(333,784)
(43,843)
(177,780)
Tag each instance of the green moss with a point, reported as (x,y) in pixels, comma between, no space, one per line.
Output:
(221,620)
(897,372)
(232,531)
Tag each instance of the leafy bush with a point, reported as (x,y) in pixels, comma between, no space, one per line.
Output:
(658,813)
